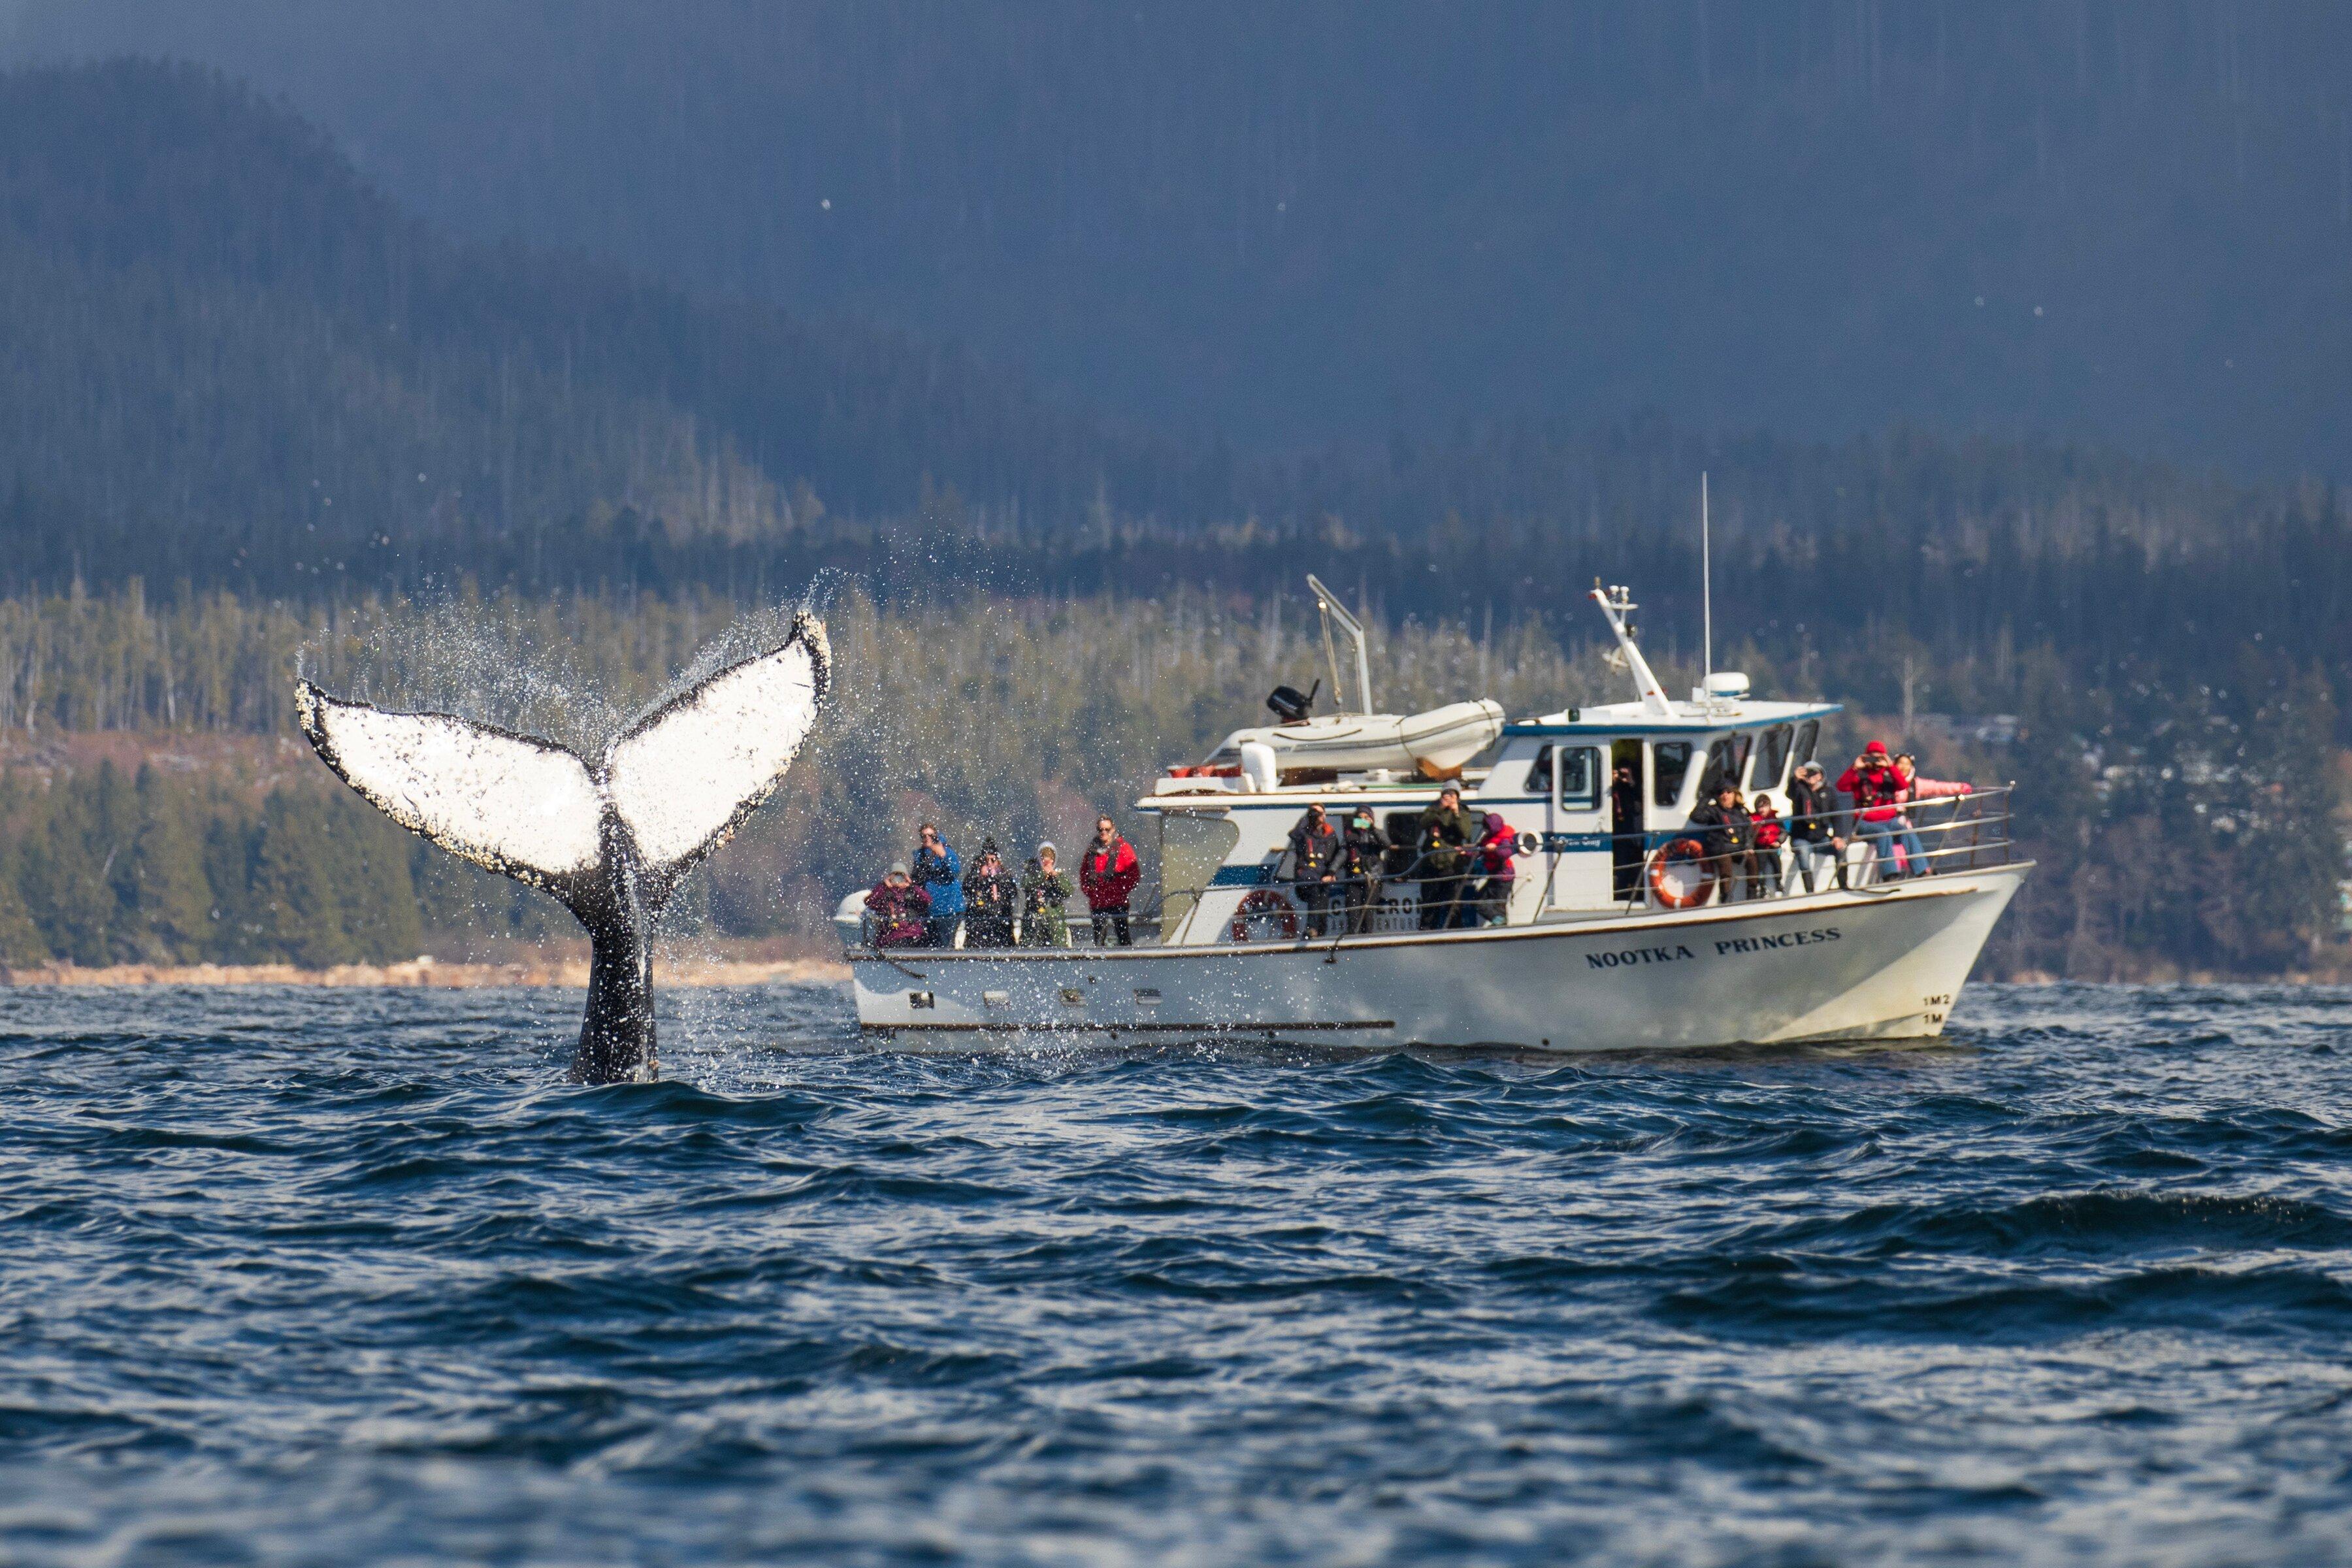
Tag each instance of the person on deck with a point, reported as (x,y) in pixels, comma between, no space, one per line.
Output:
(1495,852)
(1627,848)
(1316,851)
(1812,828)
(1765,820)
(1363,849)
(1107,874)
(1443,842)
(1910,790)
(990,898)
(1044,900)
(1870,782)
(938,870)
(1724,829)
(896,910)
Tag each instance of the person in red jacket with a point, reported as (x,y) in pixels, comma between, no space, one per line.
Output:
(1764,819)
(1910,790)
(1107,874)
(1873,783)
(896,910)
(1496,850)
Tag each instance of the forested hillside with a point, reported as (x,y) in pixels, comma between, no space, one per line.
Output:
(2185,821)
(2126,220)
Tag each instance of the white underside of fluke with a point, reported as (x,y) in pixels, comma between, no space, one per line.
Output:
(681,779)
(507,802)
(693,769)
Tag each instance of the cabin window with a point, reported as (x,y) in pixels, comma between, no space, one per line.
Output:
(1193,845)
(1772,756)
(1539,776)
(1726,763)
(1669,766)
(1579,778)
(1809,735)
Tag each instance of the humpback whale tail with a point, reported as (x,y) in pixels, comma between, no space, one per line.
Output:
(610,839)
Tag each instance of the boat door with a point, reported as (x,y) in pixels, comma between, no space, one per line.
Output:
(1576,830)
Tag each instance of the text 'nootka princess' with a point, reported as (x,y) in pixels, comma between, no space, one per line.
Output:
(1675,954)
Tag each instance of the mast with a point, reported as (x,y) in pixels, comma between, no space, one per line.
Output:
(1706,590)
(1617,605)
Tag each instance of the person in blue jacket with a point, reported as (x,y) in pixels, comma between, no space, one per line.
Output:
(939,871)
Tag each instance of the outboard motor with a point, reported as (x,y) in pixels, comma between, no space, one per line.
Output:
(1292,706)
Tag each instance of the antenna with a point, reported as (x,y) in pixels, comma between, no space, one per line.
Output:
(1706,587)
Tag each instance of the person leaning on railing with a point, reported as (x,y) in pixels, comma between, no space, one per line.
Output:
(991,899)
(1363,850)
(1765,821)
(1910,790)
(1812,827)
(1495,852)
(896,910)
(1725,832)
(1316,850)
(1444,838)
(1871,783)
(1107,874)
(1044,900)
(939,871)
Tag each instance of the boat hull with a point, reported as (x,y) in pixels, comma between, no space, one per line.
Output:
(1879,964)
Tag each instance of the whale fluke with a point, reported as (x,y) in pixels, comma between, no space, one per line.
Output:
(612,841)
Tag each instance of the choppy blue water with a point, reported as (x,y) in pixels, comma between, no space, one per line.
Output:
(340,1277)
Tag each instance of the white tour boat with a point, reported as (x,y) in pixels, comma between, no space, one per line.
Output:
(1614,937)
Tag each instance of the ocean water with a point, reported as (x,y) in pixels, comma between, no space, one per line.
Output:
(310,1277)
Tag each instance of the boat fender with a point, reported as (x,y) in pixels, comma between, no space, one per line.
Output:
(1265,904)
(1680,852)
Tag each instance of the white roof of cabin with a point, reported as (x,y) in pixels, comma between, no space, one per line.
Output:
(1633,717)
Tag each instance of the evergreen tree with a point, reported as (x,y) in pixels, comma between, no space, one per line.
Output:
(21,942)
(231,848)
(300,872)
(171,894)
(383,918)
(66,877)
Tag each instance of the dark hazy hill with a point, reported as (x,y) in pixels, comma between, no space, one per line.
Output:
(2129,219)
(225,360)
(216,338)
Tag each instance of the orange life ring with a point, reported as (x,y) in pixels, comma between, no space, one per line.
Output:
(1680,852)
(1265,903)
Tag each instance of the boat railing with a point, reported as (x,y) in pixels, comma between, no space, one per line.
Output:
(1080,930)
(1947,835)
(1941,835)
